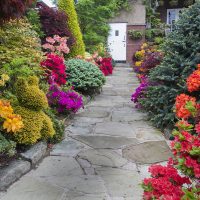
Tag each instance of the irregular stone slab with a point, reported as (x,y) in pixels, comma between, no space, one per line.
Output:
(77,130)
(86,121)
(103,157)
(105,142)
(85,184)
(114,129)
(35,153)
(123,116)
(14,171)
(57,166)
(96,113)
(148,152)
(67,147)
(149,134)
(121,183)
(29,188)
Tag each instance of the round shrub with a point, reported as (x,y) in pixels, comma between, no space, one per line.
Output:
(84,76)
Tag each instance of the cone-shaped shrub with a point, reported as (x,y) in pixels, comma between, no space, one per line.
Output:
(181,50)
(68,7)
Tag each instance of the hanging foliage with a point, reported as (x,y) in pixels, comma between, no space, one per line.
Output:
(11,9)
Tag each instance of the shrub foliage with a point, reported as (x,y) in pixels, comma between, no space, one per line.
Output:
(181,50)
(84,76)
(68,7)
(54,23)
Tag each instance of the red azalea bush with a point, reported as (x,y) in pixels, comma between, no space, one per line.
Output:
(55,69)
(186,151)
(105,65)
(165,183)
(11,9)
(54,23)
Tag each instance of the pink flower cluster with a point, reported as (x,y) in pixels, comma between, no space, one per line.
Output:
(55,69)
(56,45)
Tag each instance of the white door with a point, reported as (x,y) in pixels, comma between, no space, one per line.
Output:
(173,16)
(117,41)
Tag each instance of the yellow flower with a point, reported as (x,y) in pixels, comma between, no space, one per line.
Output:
(138,63)
(145,45)
(13,123)
(5,109)
(5,77)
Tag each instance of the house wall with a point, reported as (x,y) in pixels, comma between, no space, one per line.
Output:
(163,10)
(135,18)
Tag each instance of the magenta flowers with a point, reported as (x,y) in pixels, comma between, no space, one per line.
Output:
(64,101)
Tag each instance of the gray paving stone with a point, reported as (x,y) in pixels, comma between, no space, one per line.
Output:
(114,129)
(123,116)
(149,134)
(96,113)
(57,166)
(29,188)
(105,142)
(148,152)
(35,153)
(67,147)
(77,130)
(14,171)
(103,157)
(86,121)
(121,183)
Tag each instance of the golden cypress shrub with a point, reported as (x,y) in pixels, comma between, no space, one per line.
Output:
(32,100)
(68,7)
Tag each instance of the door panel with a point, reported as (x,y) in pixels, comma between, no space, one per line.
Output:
(117,41)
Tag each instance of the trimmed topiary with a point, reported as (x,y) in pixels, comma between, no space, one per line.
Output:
(84,76)
(68,7)
(32,100)
(181,49)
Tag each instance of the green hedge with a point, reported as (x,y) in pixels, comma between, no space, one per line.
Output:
(68,7)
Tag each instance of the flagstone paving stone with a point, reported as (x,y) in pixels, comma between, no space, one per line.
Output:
(106,152)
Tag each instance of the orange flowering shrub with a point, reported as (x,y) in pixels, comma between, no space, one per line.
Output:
(12,122)
(193,81)
(185,106)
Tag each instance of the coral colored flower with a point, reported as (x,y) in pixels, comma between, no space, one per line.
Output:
(193,81)
(181,106)
(13,123)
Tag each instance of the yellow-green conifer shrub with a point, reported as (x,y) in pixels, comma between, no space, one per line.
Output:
(19,40)
(68,7)
(32,100)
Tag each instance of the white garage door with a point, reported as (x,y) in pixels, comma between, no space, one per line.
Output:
(117,41)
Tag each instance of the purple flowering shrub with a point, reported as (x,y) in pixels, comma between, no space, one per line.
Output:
(140,92)
(64,101)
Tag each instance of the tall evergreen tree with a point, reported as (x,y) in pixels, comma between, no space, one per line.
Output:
(68,7)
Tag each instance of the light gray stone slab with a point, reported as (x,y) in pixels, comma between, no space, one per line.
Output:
(96,113)
(105,142)
(86,121)
(29,188)
(114,129)
(149,134)
(148,152)
(123,116)
(67,147)
(103,157)
(14,171)
(35,153)
(77,130)
(57,166)
(121,183)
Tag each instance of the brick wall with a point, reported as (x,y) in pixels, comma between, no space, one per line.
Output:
(133,45)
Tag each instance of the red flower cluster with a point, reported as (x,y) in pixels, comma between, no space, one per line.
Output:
(106,66)
(193,81)
(165,183)
(185,106)
(55,69)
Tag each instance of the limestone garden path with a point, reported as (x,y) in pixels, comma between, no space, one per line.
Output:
(108,148)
